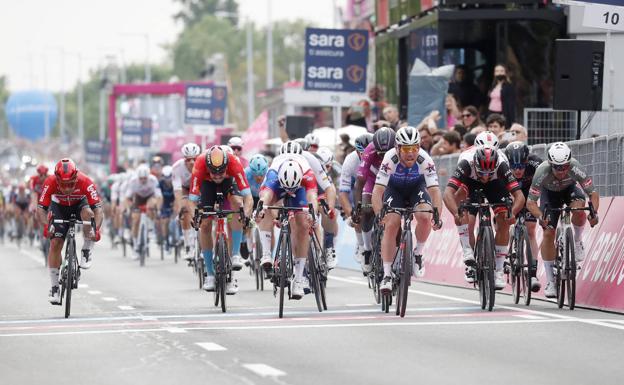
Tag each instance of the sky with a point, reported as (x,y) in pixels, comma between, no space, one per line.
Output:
(37,36)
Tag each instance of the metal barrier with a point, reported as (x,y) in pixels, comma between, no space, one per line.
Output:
(602,158)
(546,125)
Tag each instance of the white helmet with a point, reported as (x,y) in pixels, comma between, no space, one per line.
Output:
(290,175)
(142,171)
(312,139)
(407,136)
(290,147)
(190,150)
(227,149)
(486,138)
(559,154)
(167,171)
(325,155)
(235,141)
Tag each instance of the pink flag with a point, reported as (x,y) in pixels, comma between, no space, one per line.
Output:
(256,135)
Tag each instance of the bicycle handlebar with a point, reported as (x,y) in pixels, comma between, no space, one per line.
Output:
(568,209)
(75,222)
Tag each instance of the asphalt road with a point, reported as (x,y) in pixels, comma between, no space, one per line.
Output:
(151,325)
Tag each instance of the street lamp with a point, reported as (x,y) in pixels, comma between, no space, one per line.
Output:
(148,71)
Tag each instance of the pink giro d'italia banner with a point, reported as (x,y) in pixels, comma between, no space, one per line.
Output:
(256,135)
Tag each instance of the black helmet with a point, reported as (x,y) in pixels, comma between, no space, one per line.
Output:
(384,139)
(517,153)
(362,141)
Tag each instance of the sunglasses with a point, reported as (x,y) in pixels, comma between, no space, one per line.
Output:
(189,160)
(408,149)
(236,148)
(560,167)
(466,115)
(485,173)
(518,166)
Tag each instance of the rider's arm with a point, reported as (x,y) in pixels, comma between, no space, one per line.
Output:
(345,203)
(248,204)
(331,197)
(518,202)
(536,189)
(580,175)
(457,182)
(512,185)
(177,202)
(377,198)
(99,217)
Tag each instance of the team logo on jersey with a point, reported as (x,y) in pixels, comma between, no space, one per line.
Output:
(420,159)
(385,167)
(430,167)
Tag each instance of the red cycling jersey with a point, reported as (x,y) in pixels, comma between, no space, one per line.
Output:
(36,184)
(84,188)
(234,170)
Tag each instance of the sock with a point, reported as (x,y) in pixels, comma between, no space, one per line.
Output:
(208,261)
(237,235)
(419,248)
(548,266)
(578,233)
(54,276)
(368,239)
(299,266)
(464,239)
(328,239)
(265,241)
(88,244)
(501,253)
(387,269)
(360,238)
(249,241)
(187,237)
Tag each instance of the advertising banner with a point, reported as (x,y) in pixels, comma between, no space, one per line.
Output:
(97,151)
(336,60)
(136,132)
(205,104)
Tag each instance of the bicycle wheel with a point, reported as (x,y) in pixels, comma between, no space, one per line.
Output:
(221,273)
(405,274)
(123,246)
(142,243)
(313,274)
(283,271)
(70,254)
(529,271)
(570,269)
(515,264)
(480,269)
(491,265)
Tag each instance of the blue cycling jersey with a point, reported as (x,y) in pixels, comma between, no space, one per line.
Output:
(253,185)
(167,194)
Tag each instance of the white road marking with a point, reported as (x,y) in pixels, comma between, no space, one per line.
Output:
(83,285)
(211,346)
(109,299)
(528,316)
(264,370)
(35,257)
(125,307)
(94,292)
(174,330)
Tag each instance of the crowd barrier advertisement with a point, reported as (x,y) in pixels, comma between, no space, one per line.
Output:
(600,281)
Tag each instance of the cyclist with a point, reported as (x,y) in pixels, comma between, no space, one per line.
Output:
(329,220)
(313,142)
(489,172)
(348,173)
(255,172)
(523,166)
(236,144)
(68,193)
(166,209)
(142,191)
(36,184)
(383,141)
(156,167)
(182,207)
(407,178)
(290,179)
(555,183)
(21,202)
(218,171)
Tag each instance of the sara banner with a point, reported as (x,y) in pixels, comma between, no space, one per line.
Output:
(136,132)
(205,104)
(336,59)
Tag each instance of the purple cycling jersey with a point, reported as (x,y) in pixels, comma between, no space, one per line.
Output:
(369,166)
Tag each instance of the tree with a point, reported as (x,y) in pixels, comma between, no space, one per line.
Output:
(193,11)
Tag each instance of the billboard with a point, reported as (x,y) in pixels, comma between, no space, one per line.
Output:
(205,104)
(136,132)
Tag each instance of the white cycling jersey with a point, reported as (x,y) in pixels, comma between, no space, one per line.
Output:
(180,176)
(349,171)
(322,179)
(115,188)
(143,190)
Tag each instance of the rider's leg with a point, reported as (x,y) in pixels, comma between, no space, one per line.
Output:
(392,224)
(300,241)
(205,241)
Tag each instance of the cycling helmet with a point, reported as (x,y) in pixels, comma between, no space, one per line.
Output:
(362,141)
(235,141)
(486,138)
(383,139)
(290,147)
(559,154)
(217,159)
(42,169)
(486,160)
(157,160)
(66,171)
(290,175)
(143,171)
(325,155)
(167,171)
(190,150)
(227,149)
(517,153)
(313,139)
(258,165)
(303,142)
(407,136)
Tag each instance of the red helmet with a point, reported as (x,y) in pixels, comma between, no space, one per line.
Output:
(42,169)
(66,171)
(216,160)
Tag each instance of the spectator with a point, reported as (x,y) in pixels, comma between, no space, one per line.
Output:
(360,115)
(464,89)
(281,123)
(460,129)
(477,130)
(496,123)
(502,95)
(449,144)
(470,117)
(520,132)
(391,117)
(437,136)
(453,113)
(468,140)
(426,140)
(344,148)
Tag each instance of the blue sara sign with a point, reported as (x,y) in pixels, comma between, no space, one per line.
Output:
(336,59)
(136,132)
(97,152)
(205,104)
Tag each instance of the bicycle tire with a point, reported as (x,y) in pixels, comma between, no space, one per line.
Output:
(142,245)
(515,264)
(313,274)
(123,246)
(480,269)
(571,269)
(529,271)
(406,272)
(491,264)
(322,271)
(70,254)
(282,272)
(223,273)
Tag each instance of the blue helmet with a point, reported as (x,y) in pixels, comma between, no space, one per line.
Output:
(258,165)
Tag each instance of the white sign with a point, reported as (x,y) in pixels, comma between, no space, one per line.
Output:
(204,130)
(604,17)
(334,99)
